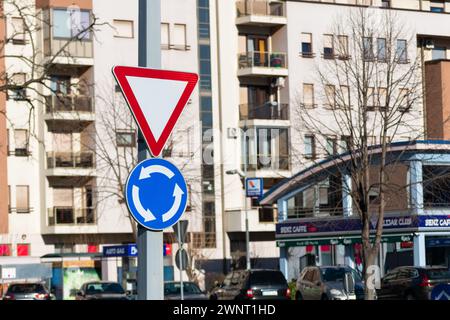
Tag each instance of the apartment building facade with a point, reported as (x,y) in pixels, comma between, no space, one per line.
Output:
(256,61)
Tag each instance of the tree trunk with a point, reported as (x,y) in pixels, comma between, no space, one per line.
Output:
(369,260)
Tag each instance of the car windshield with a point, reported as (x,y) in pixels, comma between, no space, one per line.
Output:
(338,274)
(265,278)
(26,288)
(438,274)
(100,288)
(175,288)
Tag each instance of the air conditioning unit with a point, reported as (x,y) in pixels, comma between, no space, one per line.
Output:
(429,44)
(233,133)
(278,82)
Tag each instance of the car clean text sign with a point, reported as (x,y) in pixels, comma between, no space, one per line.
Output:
(254,187)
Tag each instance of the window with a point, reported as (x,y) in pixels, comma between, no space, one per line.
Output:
(401,52)
(306,49)
(381,50)
(60,84)
(331,146)
(5,250)
(343,47)
(437,6)
(385,3)
(22,199)
(179,37)
(205,67)
(345,96)
(23,250)
(330,96)
(9,199)
(310,147)
(126,139)
(266,214)
(21,143)
(367,48)
(123,28)
(404,97)
(17,30)
(68,24)
(382,98)
(308,95)
(328,48)
(203,19)
(20,92)
(346,143)
(165,36)
(439,53)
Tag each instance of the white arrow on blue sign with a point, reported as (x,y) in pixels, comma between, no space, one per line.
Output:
(441,292)
(156,194)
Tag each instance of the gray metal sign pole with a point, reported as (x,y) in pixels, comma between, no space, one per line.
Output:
(180,244)
(150,275)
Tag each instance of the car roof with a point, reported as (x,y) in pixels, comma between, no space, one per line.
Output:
(105,282)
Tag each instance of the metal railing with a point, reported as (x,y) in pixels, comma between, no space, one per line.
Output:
(74,160)
(269,162)
(266,111)
(69,103)
(297,212)
(71,216)
(262,59)
(260,8)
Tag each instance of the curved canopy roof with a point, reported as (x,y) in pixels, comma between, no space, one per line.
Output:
(325,166)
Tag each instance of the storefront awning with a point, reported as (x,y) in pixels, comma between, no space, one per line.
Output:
(392,238)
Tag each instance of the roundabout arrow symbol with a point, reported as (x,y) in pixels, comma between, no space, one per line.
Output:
(178,195)
(146,172)
(145,213)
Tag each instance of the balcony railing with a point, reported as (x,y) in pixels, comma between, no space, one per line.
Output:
(260,8)
(69,103)
(269,162)
(71,216)
(261,59)
(267,111)
(297,212)
(72,160)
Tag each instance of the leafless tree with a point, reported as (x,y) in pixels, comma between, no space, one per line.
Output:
(371,87)
(34,64)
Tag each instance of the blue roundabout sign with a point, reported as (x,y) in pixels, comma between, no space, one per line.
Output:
(156,194)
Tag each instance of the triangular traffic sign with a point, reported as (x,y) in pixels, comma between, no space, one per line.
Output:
(156,99)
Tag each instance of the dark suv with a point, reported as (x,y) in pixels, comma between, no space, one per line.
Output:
(27,291)
(252,285)
(412,283)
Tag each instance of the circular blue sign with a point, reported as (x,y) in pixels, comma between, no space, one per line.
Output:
(156,194)
(441,292)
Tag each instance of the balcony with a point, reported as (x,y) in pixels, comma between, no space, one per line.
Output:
(70,163)
(262,64)
(268,166)
(297,212)
(71,216)
(235,221)
(67,220)
(69,108)
(260,13)
(267,111)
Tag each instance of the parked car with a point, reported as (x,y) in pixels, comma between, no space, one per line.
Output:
(102,290)
(412,283)
(27,291)
(191,291)
(329,283)
(252,285)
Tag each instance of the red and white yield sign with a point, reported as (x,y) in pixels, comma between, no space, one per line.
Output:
(156,99)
